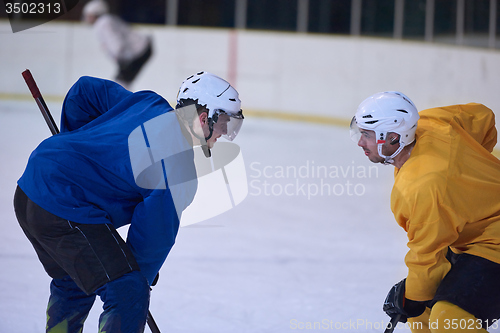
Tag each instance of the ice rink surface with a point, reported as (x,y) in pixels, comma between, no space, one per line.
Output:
(307,250)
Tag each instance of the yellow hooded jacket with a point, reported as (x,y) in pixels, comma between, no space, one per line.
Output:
(447,194)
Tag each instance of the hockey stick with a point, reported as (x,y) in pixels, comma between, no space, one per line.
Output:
(392,324)
(30,81)
(39,100)
(152,323)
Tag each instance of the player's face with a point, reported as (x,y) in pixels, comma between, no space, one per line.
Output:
(219,128)
(90,19)
(213,139)
(368,142)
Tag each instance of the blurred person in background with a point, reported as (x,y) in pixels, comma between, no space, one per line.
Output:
(127,47)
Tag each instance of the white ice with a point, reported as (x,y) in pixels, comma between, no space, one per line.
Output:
(278,262)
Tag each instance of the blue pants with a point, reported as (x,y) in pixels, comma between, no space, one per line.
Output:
(126,303)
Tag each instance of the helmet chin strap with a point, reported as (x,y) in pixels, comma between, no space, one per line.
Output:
(204,147)
(210,128)
(388,159)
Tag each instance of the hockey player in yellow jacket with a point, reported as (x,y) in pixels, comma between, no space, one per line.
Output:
(446,196)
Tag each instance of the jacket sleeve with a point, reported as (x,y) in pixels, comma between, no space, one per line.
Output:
(152,231)
(87,99)
(432,227)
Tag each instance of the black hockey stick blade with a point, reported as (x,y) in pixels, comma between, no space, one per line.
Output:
(30,81)
(392,324)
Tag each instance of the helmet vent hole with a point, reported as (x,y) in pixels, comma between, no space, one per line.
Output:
(368,116)
(371,122)
(232,100)
(199,73)
(401,110)
(196,80)
(185,89)
(406,99)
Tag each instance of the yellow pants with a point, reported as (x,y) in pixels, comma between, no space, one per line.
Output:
(445,317)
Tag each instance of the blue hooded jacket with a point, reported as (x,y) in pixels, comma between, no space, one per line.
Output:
(85,173)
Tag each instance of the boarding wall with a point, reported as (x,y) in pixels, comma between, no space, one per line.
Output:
(326,75)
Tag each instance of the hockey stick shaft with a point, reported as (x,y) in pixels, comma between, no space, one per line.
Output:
(40,101)
(152,324)
(30,81)
(392,324)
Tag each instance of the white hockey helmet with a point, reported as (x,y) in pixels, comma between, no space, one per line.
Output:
(219,97)
(95,8)
(386,112)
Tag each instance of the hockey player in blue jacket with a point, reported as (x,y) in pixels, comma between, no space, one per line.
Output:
(121,158)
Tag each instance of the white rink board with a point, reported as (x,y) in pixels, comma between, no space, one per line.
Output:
(285,72)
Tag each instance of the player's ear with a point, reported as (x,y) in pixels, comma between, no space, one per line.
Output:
(394,138)
(203,118)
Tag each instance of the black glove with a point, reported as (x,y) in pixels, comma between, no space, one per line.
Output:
(396,304)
